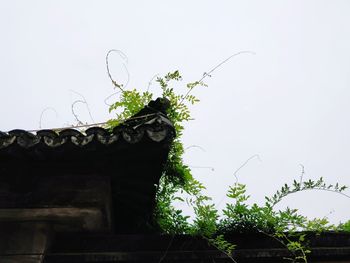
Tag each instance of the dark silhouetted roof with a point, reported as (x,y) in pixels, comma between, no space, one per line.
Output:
(251,248)
(35,169)
(149,125)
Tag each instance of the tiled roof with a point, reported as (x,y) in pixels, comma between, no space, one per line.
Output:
(42,170)
(150,124)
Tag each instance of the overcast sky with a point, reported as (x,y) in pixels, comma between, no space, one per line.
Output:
(289,103)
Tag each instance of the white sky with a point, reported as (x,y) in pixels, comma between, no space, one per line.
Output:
(289,103)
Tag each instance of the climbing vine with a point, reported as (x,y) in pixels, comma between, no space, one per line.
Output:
(286,226)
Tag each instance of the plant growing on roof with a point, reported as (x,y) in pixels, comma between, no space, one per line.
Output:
(285,226)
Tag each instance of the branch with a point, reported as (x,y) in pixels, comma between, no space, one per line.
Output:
(208,74)
(319,185)
(150,82)
(302,173)
(42,114)
(202,167)
(121,87)
(214,245)
(280,241)
(237,170)
(70,127)
(167,249)
(96,124)
(73,112)
(308,189)
(110,96)
(244,164)
(195,146)
(81,101)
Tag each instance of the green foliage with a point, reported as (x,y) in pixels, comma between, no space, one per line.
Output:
(222,244)
(177,177)
(286,226)
(130,103)
(205,220)
(169,219)
(344,226)
(319,225)
(303,186)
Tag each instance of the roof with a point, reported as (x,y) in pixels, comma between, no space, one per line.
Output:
(254,248)
(69,168)
(150,125)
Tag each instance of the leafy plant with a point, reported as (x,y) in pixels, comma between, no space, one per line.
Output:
(286,226)
(304,186)
(130,102)
(344,226)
